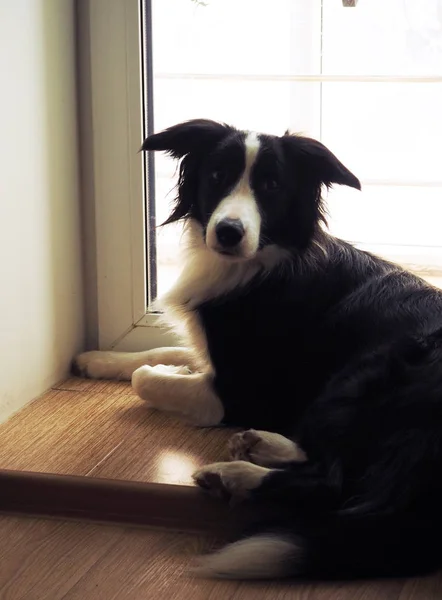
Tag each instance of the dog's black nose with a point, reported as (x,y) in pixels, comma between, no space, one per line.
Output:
(229,232)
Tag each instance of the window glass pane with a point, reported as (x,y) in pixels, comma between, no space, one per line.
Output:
(383,37)
(257,105)
(390,215)
(231,36)
(385,130)
(210,59)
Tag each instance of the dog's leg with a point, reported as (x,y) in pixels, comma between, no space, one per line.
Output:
(190,397)
(252,453)
(302,486)
(121,365)
(264,448)
(237,478)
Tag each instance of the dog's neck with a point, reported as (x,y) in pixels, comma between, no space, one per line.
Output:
(206,275)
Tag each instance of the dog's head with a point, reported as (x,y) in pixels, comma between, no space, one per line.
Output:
(249,190)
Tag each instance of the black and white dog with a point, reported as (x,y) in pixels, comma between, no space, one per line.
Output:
(288,330)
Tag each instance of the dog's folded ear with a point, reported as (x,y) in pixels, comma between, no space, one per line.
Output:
(187,137)
(317,163)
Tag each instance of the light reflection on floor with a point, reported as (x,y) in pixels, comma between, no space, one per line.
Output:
(175,468)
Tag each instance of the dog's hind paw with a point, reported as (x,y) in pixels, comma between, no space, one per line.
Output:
(264,448)
(227,479)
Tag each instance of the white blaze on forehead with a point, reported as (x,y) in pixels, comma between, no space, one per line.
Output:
(241,204)
(252,148)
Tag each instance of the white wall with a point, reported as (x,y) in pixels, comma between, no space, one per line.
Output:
(41,297)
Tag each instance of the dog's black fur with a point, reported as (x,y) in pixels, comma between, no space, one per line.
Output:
(335,348)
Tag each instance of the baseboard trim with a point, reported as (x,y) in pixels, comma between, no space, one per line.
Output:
(182,508)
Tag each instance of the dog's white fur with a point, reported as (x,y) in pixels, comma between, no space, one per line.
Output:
(264,556)
(240,204)
(264,448)
(237,477)
(121,365)
(190,396)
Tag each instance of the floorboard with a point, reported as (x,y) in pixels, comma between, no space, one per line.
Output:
(82,427)
(102,429)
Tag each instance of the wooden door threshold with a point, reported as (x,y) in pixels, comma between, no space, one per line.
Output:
(178,507)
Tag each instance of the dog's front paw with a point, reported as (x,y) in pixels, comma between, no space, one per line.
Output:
(264,448)
(96,365)
(147,381)
(242,444)
(230,479)
(141,382)
(171,370)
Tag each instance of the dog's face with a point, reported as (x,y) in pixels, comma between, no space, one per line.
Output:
(249,190)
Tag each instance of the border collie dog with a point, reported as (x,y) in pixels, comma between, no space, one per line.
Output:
(328,358)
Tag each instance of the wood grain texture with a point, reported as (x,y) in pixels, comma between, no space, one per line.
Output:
(102,429)
(162,450)
(64,431)
(51,560)
(99,428)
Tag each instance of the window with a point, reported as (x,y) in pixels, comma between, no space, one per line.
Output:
(366,80)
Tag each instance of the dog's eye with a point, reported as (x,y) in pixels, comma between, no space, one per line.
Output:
(270,184)
(217,175)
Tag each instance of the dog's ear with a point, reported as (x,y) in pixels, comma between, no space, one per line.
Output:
(187,142)
(317,163)
(187,137)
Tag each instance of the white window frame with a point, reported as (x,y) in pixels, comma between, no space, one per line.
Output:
(113,140)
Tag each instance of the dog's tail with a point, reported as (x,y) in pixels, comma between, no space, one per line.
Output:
(338,548)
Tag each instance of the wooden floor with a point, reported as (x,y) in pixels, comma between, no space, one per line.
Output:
(51,560)
(102,429)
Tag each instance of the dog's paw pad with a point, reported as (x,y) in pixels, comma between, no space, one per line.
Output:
(230,479)
(241,444)
(94,365)
(264,448)
(209,479)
